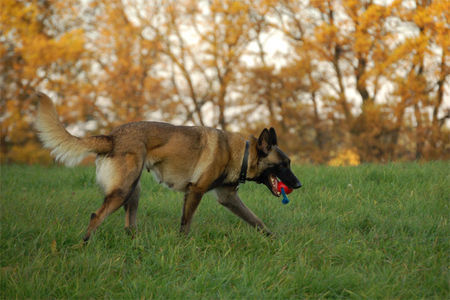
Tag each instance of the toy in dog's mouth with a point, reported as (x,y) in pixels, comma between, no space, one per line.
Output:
(276,185)
(277,178)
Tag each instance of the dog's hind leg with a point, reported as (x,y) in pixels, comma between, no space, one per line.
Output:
(228,197)
(119,176)
(111,203)
(131,207)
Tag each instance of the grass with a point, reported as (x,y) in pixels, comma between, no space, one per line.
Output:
(372,231)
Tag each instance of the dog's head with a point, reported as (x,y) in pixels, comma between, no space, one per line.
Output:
(272,164)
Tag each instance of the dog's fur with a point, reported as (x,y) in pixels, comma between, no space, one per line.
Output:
(193,160)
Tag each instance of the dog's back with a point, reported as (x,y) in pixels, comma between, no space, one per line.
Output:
(176,155)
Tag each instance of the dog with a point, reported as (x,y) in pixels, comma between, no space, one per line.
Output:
(190,159)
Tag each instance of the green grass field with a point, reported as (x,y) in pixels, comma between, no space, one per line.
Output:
(372,231)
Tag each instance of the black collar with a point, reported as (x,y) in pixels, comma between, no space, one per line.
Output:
(243,173)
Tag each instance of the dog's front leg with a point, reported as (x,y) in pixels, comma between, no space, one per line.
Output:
(228,197)
(191,201)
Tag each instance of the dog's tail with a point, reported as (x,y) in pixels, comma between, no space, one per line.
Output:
(65,147)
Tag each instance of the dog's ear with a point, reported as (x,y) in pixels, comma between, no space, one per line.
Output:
(264,142)
(273,136)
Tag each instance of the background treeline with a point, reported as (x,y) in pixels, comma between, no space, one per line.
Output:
(359,80)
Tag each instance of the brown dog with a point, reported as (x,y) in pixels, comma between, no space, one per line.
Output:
(190,159)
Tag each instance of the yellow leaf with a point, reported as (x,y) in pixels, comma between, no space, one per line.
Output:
(53,247)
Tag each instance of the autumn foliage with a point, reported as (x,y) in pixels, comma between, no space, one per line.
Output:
(343,82)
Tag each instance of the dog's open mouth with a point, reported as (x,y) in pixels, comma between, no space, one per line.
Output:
(273,182)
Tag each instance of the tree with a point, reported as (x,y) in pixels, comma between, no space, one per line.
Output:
(426,55)
(121,85)
(357,79)
(353,52)
(41,43)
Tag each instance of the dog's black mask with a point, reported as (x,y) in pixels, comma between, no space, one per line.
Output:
(275,164)
(286,176)
(270,177)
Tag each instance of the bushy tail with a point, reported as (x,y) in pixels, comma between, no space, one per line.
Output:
(65,147)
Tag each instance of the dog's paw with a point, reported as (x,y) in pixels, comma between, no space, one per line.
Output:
(131,231)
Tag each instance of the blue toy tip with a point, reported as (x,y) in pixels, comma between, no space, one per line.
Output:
(285,198)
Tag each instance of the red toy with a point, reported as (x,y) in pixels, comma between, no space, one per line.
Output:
(286,189)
